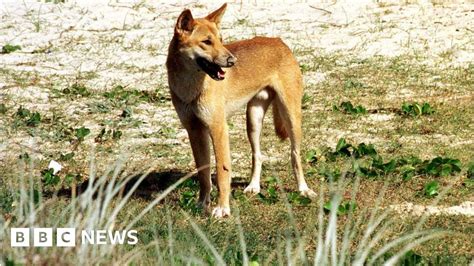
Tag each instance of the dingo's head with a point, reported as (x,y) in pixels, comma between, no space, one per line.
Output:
(199,40)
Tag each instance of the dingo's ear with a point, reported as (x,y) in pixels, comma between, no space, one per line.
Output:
(185,22)
(216,16)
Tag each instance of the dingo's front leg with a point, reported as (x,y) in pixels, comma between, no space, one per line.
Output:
(199,138)
(220,139)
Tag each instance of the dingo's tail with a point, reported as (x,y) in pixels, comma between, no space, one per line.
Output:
(278,121)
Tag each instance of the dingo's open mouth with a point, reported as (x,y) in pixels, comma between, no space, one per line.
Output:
(213,70)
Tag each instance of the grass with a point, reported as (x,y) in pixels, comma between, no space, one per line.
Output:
(166,231)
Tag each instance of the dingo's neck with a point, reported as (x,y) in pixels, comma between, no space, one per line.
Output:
(185,78)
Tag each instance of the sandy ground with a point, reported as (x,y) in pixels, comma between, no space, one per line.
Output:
(465,208)
(115,38)
(125,42)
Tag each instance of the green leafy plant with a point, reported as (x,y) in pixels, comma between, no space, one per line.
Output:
(364,150)
(271,195)
(431,189)
(346,149)
(343,208)
(297,198)
(22,112)
(49,178)
(416,109)
(69,179)
(190,183)
(442,166)
(187,199)
(373,167)
(364,168)
(34,120)
(469,181)
(25,116)
(343,148)
(407,166)
(369,163)
(384,168)
(470,171)
(77,89)
(311,156)
(349,108)
(407,172)
(9,48)
(81,133)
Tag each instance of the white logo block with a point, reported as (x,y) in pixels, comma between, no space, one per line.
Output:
(20,237)
(66,237)
(43,237)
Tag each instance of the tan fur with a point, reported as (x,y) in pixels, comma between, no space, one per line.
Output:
(265,73)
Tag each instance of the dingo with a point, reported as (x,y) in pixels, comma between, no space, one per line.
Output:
(259,72)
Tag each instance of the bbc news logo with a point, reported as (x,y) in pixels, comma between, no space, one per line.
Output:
(66,237)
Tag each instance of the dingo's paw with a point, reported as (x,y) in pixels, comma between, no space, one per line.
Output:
(309,193)
(204,205)
(252,189)
(220,212)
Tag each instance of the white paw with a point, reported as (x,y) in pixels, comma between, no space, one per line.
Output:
(252,189)
(309,193)
(221,212)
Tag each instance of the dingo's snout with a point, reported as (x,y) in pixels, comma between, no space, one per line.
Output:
(227,60)
(231,61)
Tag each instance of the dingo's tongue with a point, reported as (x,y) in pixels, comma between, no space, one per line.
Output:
(221,74)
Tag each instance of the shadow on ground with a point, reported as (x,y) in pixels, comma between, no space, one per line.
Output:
(152,183)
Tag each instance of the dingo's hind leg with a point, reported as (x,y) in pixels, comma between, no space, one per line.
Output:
(288,106)
(256,109)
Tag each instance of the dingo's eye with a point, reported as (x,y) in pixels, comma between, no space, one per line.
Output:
(208,42)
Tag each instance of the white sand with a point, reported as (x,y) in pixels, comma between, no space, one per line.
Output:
(465,208)
(126,41)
